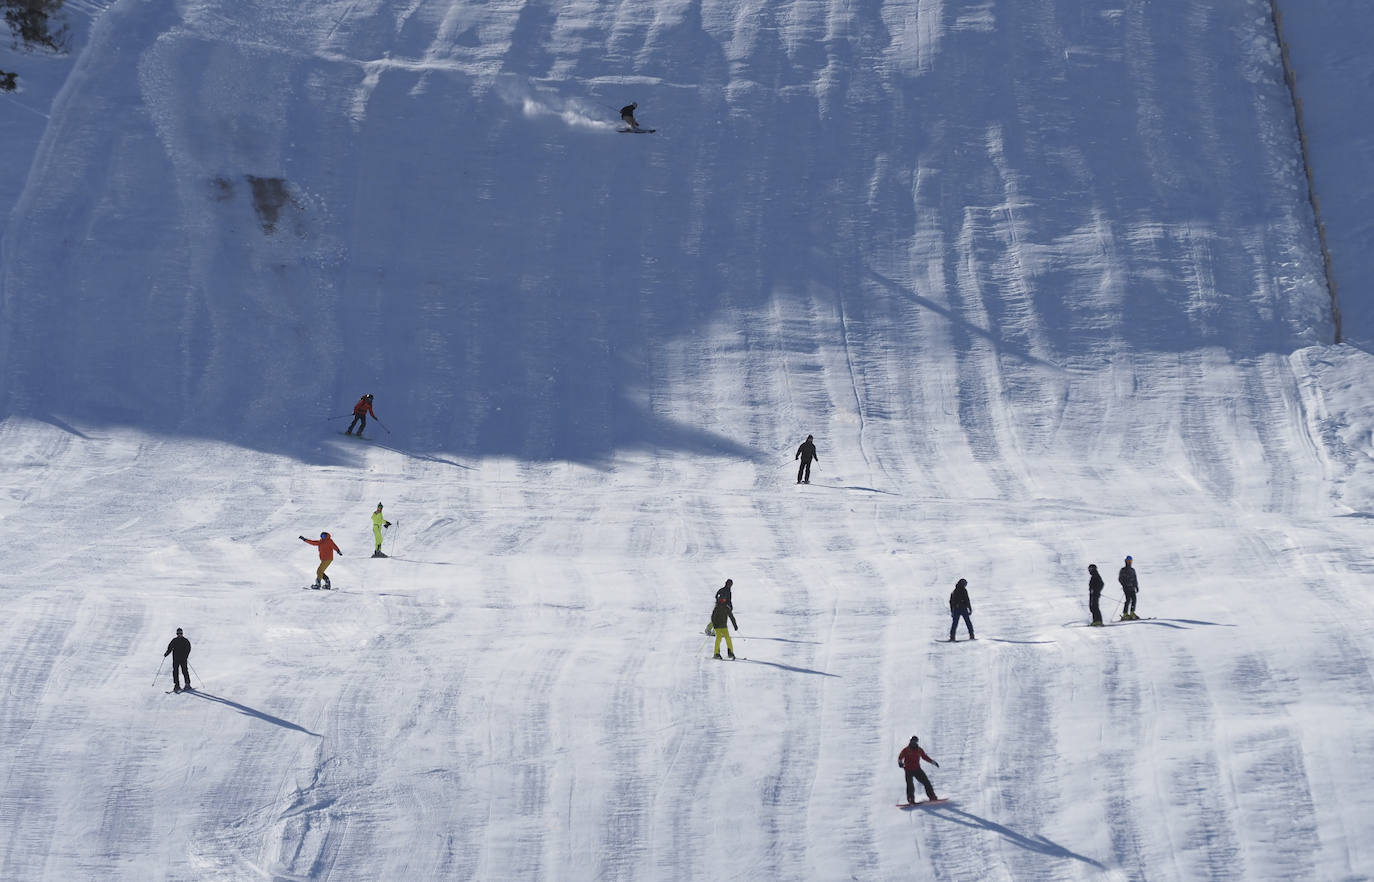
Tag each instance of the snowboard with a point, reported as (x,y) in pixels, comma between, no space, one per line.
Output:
(636,131)
(315,588)
(922,803)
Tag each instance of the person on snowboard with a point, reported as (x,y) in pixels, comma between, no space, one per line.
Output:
(722,594)
(960,605)
(1094,593)
(1129,587)
(327,552)
(909,760)
(806,453)
(361,411)
(180,650)
(720,617)
(627,115)
(378,522)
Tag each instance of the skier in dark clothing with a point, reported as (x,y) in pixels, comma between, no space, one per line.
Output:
(1094,593)
(909,760)
(722,596)
(720,617)
(1129,587)
(723,593)
(627,114)
(180,650)
(361,411)
(806,453)
(960,605)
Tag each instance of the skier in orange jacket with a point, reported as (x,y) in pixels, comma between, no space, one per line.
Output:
(327,551)
(361,411)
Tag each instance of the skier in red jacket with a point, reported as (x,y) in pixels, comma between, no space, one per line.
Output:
(361,411)
(910,761)
(327,550)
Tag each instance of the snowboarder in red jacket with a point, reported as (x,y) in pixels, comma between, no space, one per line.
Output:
(910,761)
(361,411)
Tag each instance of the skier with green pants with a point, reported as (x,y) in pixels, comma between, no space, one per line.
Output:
(722,616)
(378,522)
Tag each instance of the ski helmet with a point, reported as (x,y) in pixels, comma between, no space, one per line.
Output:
(1129,558)
(178,632)
(324,535)
(368,396)
(729,582)
(961,583)
(914,741)
(379,505)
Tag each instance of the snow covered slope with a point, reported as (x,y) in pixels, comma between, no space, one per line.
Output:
(1039,276)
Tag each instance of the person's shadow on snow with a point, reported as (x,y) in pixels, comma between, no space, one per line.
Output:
(248,711)
(1038,844)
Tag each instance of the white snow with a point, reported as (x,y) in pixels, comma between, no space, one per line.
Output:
(1040,278)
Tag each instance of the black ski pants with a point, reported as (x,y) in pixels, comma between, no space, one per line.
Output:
(1129,606)
(359,420)
(185,675)
(804,471)
(954,625)
(1094,608)
(914,775)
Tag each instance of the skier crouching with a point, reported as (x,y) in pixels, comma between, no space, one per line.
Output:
(909,760)
(627,115)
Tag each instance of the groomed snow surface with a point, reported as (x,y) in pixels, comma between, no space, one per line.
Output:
(1040,277)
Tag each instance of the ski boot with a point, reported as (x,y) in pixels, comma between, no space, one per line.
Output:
(316,586)
(732,654)
(716,656)
(327,585)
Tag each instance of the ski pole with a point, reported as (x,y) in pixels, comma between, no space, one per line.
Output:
(382,424)
(397,525)
(197,673)
(158,675)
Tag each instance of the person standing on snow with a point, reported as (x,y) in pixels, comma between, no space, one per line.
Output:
(806,453)
(720,617)
(378,522)
(327,551)
(361,411)
(1129,587)
(722,594)
(960,605)
(909,760)
(627,114)
(1094,593)
(180,650)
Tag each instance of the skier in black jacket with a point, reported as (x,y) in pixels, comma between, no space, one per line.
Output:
(1094,593)
(1129,587)
(960,605)
(180,650)
(720,616)
(806,452)
(627,115)
(722,595)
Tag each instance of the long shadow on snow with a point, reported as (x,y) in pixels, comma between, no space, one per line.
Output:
(252,712)
(1038,844)
(792,668)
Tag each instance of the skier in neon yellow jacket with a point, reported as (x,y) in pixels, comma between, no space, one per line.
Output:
(378,522)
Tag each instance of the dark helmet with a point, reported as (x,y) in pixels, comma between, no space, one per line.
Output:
(324,535)
(729,582)
(1129,558)
(961,583)
(808,437)
(178,632)
(1092,568)
(914,741)
(379,505)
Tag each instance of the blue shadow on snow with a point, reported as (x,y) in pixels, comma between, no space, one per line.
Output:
(251,712)
(1038,844)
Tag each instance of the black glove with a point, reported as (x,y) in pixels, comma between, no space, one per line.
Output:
(386,523)
(937,765)
(302,538)
(167,653)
